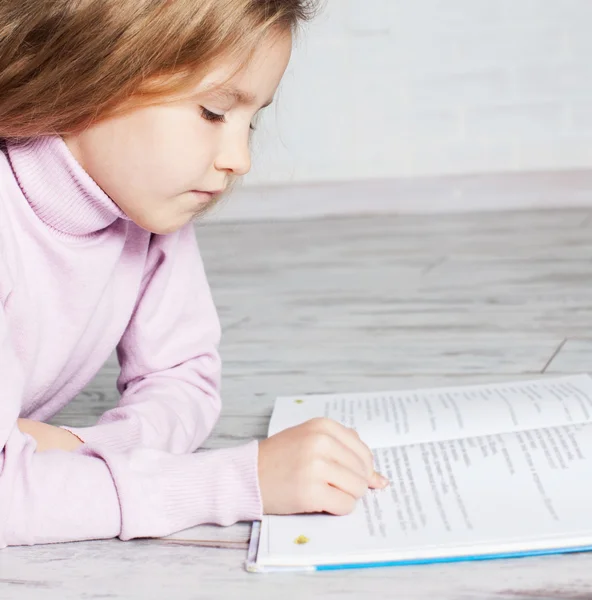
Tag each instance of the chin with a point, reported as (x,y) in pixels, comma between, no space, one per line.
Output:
(161,227)
(164,230)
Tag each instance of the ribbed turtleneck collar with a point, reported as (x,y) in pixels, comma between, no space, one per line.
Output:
(59,190)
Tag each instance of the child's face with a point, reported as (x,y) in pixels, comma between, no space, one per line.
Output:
(160,164)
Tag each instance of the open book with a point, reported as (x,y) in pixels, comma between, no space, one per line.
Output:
(476,472)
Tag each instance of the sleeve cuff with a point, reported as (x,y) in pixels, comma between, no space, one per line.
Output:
(117,435)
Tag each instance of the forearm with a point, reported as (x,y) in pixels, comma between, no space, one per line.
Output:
(161,413)
(170,365)
(94,493)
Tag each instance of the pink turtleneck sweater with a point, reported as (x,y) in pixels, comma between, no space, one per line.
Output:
(77,280)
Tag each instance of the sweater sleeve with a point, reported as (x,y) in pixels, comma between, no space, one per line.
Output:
(100,492)
(170,366)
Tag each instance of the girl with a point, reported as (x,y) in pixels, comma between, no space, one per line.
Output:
(120,121)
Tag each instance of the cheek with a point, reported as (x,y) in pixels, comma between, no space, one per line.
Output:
(106,160)
(128,165)
(153,154)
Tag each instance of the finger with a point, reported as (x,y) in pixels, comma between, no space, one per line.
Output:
(377,481)
(352,440)
(336,502)
(333,450)
(346,480)
(351,461)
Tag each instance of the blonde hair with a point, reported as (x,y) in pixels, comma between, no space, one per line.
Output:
(65,64)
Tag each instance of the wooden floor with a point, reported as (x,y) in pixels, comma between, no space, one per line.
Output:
(356,304)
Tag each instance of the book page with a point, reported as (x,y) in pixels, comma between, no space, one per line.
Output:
(395,418)
(480,494)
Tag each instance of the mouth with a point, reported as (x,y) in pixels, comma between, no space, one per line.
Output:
(210,193)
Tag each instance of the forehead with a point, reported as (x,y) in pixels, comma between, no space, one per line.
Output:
(254,80)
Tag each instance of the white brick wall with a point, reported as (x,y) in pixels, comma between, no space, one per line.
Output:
(397,88)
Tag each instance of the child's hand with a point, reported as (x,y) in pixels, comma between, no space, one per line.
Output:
(319,466)
(49,437)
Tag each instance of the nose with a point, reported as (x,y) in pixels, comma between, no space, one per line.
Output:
(234,157)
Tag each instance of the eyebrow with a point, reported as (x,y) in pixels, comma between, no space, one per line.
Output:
(238,95)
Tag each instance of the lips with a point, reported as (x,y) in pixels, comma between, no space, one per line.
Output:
(209,192)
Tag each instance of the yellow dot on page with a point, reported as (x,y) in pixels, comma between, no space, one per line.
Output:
(299,401)
(301,539)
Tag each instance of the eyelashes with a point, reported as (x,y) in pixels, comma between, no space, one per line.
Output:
(213,117)
(208,115)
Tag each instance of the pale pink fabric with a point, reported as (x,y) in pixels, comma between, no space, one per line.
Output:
(77,280)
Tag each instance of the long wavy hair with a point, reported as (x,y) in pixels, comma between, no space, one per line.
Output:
(65,64)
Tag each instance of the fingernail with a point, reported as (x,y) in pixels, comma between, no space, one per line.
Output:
(382,481)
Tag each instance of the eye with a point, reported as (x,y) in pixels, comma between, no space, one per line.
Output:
(213,117)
